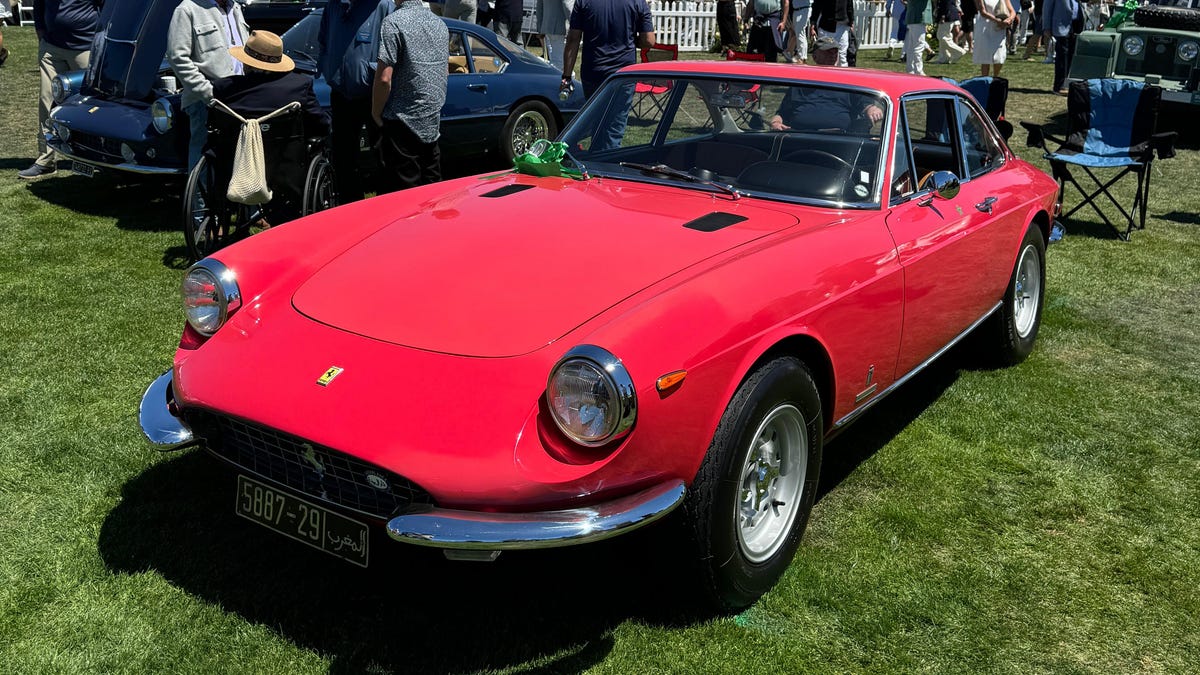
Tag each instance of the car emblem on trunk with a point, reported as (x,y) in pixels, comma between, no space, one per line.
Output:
(328,375)
(376,481)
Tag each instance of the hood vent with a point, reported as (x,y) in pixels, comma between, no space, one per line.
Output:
(711,222)
(506,191)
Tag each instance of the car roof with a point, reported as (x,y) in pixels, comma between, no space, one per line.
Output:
(895,84)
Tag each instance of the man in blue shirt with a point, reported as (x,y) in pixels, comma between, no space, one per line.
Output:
(611,32)
(64,29)
(349,41)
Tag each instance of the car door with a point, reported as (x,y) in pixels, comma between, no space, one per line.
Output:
(469,116)
(936,238)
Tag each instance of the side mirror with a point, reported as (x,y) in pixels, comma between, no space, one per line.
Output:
(943,184)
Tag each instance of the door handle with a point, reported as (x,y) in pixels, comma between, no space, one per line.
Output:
(477,87)
(986,204)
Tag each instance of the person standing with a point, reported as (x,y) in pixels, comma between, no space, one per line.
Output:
(64,29)
(1063,20)
(948,17)
(349,39)
(465,10)
(553,16)
(198,42)
(727,25)
(797,47)
(768,27)
(614,31)
(834,20)
(408,92)
(507,17)
(991,34)
(918,14)
(5,12)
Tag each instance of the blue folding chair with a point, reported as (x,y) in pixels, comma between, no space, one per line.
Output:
(990,92)
(1111,125)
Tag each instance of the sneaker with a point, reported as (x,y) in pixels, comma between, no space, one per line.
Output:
(37,171)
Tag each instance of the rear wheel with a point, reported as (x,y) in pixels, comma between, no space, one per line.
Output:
(1016,324)
(751,499)
(318,186)
(210,221)
(528,122)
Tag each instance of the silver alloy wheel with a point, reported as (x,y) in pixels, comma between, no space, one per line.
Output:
(772,483)
(1027,291)
(528,128)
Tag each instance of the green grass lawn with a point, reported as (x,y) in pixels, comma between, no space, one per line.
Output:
(1044,518)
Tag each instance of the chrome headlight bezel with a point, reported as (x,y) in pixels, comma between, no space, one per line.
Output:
(162,116)
(1187,50)
(60,89)
(611,382)
(210,295)
(1133,45)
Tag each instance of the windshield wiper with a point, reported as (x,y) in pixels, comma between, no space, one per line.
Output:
(664,170)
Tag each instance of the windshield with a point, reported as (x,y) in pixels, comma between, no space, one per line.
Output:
(793,141)
(301,41)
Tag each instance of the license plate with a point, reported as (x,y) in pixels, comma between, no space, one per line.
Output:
(302,520)
(83,169)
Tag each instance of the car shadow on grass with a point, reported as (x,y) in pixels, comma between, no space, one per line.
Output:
(143,204)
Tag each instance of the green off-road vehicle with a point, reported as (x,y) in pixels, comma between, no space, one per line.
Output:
(1157,44)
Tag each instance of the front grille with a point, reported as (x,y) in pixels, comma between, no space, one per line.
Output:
(97,144)
(313,470)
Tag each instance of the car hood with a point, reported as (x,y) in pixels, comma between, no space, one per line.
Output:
(127,51)
(504,267)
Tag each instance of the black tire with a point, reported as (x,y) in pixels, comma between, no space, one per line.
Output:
(318,186)
(1015,326)
(526,123)
(210,222)
(777,405)
(1177,18)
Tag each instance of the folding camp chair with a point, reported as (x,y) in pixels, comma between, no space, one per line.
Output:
(990,92)
(649,95)
(1111,125)
(750,115)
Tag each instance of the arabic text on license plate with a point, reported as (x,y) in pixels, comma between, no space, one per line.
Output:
(302,520)
(83,169)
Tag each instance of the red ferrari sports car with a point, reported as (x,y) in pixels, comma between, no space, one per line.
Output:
(730,264)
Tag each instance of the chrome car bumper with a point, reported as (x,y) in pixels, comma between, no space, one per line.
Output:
(57,145)
(480,531)
(161,427)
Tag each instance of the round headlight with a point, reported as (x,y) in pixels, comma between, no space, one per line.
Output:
(58,89)
(1187,51)
(161,115)
(591,396)
(210,295)
(1133,45)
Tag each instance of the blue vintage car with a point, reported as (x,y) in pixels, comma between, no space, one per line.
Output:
(124,112)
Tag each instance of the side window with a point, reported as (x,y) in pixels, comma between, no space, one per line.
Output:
(980,148)
(931,132)
(904,184)
(457,64)
(484,58)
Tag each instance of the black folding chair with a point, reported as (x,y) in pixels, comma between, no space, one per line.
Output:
(1111,126)
(990,92)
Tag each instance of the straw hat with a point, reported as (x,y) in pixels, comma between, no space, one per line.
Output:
(264,50)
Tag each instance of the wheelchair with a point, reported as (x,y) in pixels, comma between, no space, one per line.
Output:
(211,221)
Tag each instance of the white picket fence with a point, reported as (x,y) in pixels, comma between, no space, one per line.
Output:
(693,25)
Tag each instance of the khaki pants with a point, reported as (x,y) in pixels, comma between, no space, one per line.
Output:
(54,60)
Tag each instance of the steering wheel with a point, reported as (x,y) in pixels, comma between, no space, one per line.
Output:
(818,158)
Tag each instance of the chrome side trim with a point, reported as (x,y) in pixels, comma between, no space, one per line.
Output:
(909,375)
(64,150)
(478,530)
(163,429)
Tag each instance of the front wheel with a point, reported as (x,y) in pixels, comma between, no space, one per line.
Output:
(1016,324)
(751,499)
(527,123)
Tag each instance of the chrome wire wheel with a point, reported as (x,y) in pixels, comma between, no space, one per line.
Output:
(530,126)
(772,483)
(1027,291)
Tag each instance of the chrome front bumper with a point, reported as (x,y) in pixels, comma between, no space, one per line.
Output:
(161,427)
(64,149)
(480,531)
